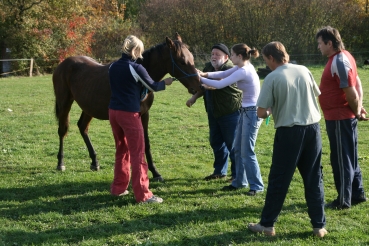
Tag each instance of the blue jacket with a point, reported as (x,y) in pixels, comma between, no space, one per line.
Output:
(127,79)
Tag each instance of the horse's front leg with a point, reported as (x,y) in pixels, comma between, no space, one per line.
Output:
(150,163)
(83,124)
(61,166)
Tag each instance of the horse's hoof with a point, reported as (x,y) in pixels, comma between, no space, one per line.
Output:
(95,168)
(60,168)
(157,179)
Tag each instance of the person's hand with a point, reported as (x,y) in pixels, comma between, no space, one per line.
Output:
(201,73)
(207,87)
(191,102)
(362,115)
(270,110)
(363,111)
(168,81)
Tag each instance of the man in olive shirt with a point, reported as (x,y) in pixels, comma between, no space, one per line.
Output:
(222,107)
(290,92)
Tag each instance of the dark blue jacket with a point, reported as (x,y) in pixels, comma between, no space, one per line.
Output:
(127,78)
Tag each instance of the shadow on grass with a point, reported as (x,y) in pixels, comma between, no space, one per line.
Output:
(244,237)
(98,232)
(78,197)
(143,228)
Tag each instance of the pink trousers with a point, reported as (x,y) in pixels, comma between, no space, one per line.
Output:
(130,153)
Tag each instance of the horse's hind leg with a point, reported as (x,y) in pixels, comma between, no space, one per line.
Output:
(83,124)
(150,163)
(62,113)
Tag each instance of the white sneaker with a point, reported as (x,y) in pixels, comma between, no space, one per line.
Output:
(126,192)
(154,199)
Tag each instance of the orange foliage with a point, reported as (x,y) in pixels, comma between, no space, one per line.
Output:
(78,38)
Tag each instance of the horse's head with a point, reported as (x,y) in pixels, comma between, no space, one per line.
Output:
(183,64)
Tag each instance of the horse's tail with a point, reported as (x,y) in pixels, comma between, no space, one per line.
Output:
(61,90)
(56,110)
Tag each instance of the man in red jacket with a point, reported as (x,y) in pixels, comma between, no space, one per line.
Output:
(341,102)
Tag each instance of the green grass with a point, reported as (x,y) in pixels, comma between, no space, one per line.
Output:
(42,206)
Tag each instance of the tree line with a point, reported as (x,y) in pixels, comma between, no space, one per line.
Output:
(54,29)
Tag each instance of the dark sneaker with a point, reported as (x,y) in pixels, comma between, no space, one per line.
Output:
(359,199)
(255,227)
(214,176)
(229,188)
(230,180)
(157,179)
(320,232)
(336,205)
(253,192)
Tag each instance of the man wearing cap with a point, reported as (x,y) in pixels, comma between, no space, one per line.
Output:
(222,107)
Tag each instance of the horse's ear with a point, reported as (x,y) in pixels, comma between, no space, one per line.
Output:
(178,37)
(169,42)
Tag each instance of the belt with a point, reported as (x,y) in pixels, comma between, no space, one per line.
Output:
(251,108)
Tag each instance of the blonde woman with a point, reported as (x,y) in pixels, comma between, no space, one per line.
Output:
(127,79)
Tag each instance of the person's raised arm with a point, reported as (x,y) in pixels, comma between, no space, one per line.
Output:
(140,74)
(233,77)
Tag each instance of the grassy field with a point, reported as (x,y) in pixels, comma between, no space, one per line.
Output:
(42,206)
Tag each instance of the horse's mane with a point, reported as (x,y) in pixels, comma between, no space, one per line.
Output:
(160,48)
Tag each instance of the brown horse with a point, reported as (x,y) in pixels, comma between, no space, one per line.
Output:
(85,81)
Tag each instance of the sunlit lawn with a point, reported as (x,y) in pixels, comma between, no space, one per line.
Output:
(42,206)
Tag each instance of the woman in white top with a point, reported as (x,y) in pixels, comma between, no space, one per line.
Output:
(247,167)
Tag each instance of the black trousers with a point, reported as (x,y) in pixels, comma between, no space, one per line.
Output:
(342,136)
(301,147)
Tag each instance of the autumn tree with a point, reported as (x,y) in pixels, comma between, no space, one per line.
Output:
(40,28)
(255,22)
(53,29)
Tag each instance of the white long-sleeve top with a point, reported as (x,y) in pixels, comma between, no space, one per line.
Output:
(246,78)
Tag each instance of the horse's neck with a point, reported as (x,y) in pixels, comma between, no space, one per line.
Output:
(155,63)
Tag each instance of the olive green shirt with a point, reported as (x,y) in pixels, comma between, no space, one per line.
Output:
(226,100)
